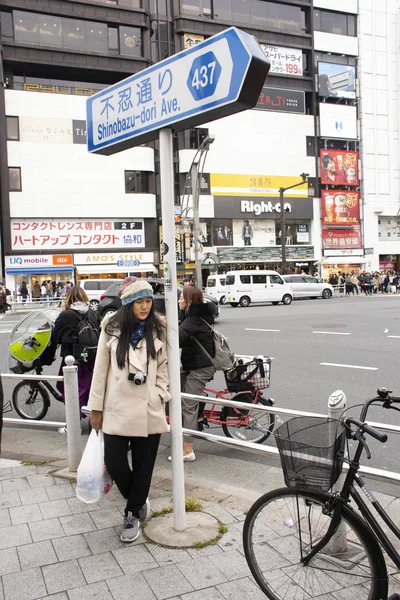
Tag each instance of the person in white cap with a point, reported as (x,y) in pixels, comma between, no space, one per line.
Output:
(128,396)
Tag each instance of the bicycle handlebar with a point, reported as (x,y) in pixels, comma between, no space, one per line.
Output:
(365,428)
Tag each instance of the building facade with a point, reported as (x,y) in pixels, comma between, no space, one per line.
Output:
(99,216)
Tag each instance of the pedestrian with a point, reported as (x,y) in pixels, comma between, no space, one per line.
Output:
(43,291)
(23,290)
(3,302)
(377,283)
(197,369)
(36,291)
(65,332)
(49,289)
(128,396)
(354,283)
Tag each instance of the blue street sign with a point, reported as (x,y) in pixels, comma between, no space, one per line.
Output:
(219,77)
(128,263)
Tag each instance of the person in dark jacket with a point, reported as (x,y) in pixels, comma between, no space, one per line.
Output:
(65,332)
(197,368)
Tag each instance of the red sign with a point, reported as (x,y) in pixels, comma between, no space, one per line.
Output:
(341,238)
(339,167)
(340,207)
(62,259)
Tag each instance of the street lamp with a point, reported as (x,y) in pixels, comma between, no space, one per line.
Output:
(196,172)
(282,190)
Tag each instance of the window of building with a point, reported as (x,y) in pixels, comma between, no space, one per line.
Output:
(260,13)
(311,146)
(50,31)
(13,128)
(130,3)
(7,29)
(14,178)
(197,8)
(130,41)
(136,182)
(329,21)
(388,228)
(193,138)
(113,39)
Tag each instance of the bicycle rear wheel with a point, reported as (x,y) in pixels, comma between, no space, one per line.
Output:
(282,526)
(250,426)
(30,400)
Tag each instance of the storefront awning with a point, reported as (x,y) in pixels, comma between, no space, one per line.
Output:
(39,270)
(99,269)
(342,260)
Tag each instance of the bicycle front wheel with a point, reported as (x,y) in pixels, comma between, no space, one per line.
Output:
(283,526)
(248,426)
(30,400)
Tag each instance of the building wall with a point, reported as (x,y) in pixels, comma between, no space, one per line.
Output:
(348,6)
(379,112)
(62,179)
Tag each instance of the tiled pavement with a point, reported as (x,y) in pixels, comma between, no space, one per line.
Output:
(54,546)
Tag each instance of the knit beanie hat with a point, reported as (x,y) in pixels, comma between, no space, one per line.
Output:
(134,288)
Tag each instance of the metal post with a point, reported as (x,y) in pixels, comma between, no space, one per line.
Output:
(72,412)
(337,403)
(196,222)
(283,231)
(171,310)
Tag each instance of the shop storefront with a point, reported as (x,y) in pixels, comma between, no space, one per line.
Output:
(37,267)
(343,252)
(114,265)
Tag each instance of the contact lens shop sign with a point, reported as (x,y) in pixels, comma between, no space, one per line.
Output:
(218,77)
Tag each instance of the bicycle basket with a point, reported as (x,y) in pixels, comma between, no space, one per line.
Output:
(250,375)
(311,451)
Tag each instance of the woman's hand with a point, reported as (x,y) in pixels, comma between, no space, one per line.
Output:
(96,419)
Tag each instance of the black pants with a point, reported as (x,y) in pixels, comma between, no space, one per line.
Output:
(134,484)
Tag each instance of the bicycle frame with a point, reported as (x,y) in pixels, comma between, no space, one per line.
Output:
(214,414)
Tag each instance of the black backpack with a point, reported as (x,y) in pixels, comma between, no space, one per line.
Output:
(87,338)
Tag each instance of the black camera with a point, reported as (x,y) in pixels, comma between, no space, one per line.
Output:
(138,378)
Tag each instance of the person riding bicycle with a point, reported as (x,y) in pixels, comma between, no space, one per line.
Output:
(197,368)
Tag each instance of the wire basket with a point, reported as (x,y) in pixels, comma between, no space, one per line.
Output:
(311,451)
(250,375)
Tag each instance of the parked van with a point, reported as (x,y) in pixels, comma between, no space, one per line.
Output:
(95,288)
(244,287)
(215,287)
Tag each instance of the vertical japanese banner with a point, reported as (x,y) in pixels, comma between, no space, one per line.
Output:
(340,207)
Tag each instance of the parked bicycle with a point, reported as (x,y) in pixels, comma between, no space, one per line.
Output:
(31,399)
(244,383)
(304,541)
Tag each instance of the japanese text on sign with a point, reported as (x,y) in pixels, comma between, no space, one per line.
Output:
(341,238)
(284,61)
(31,234)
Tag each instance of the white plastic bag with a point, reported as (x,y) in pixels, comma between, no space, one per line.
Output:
(93,481)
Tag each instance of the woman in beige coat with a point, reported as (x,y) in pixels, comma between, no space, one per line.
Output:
(128,395)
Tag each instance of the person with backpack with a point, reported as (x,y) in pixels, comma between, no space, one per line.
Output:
(23,290)
(128,396)
(197,367)
(77,329)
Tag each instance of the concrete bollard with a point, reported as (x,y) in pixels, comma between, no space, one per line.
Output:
(72,412)
(337,403)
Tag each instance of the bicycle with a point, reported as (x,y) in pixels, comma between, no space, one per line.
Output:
(304,542)
(31,399)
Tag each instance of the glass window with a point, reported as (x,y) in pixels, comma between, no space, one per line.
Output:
(195,137)
(73,33)
(13,128)
(230,280)
(334,22)
(26,27)
(136,182)
(352,25)
(91,285)
(7,29)
(240,11)
(49,29)
(96,37)
(211,282)
(222,10)
(14,177)
(130,39)
(113,43)
(130,3)
(259,279)
(197,8)
(275,279)
(243,279)
(258,13)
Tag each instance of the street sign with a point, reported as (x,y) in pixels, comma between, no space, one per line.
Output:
(128,263)
(219,77)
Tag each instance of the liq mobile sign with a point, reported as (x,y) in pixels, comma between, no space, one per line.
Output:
(337,81)
(216,78)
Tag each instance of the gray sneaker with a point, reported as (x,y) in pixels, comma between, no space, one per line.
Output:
(144,512)
(130,531)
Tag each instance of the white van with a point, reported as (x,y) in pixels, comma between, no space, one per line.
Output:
(215,287)
(95,288)
(244,287)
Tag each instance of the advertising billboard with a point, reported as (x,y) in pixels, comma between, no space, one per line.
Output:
(338,121)
(282,100)
(336,81)
(339,167)
(340,207)
(284,61)
(341,238)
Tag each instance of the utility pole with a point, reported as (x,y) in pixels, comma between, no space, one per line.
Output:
(282,190)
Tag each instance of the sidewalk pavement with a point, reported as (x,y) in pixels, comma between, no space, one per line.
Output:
(54,546)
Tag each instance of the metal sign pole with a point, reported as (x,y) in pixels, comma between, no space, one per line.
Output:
(171,311)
